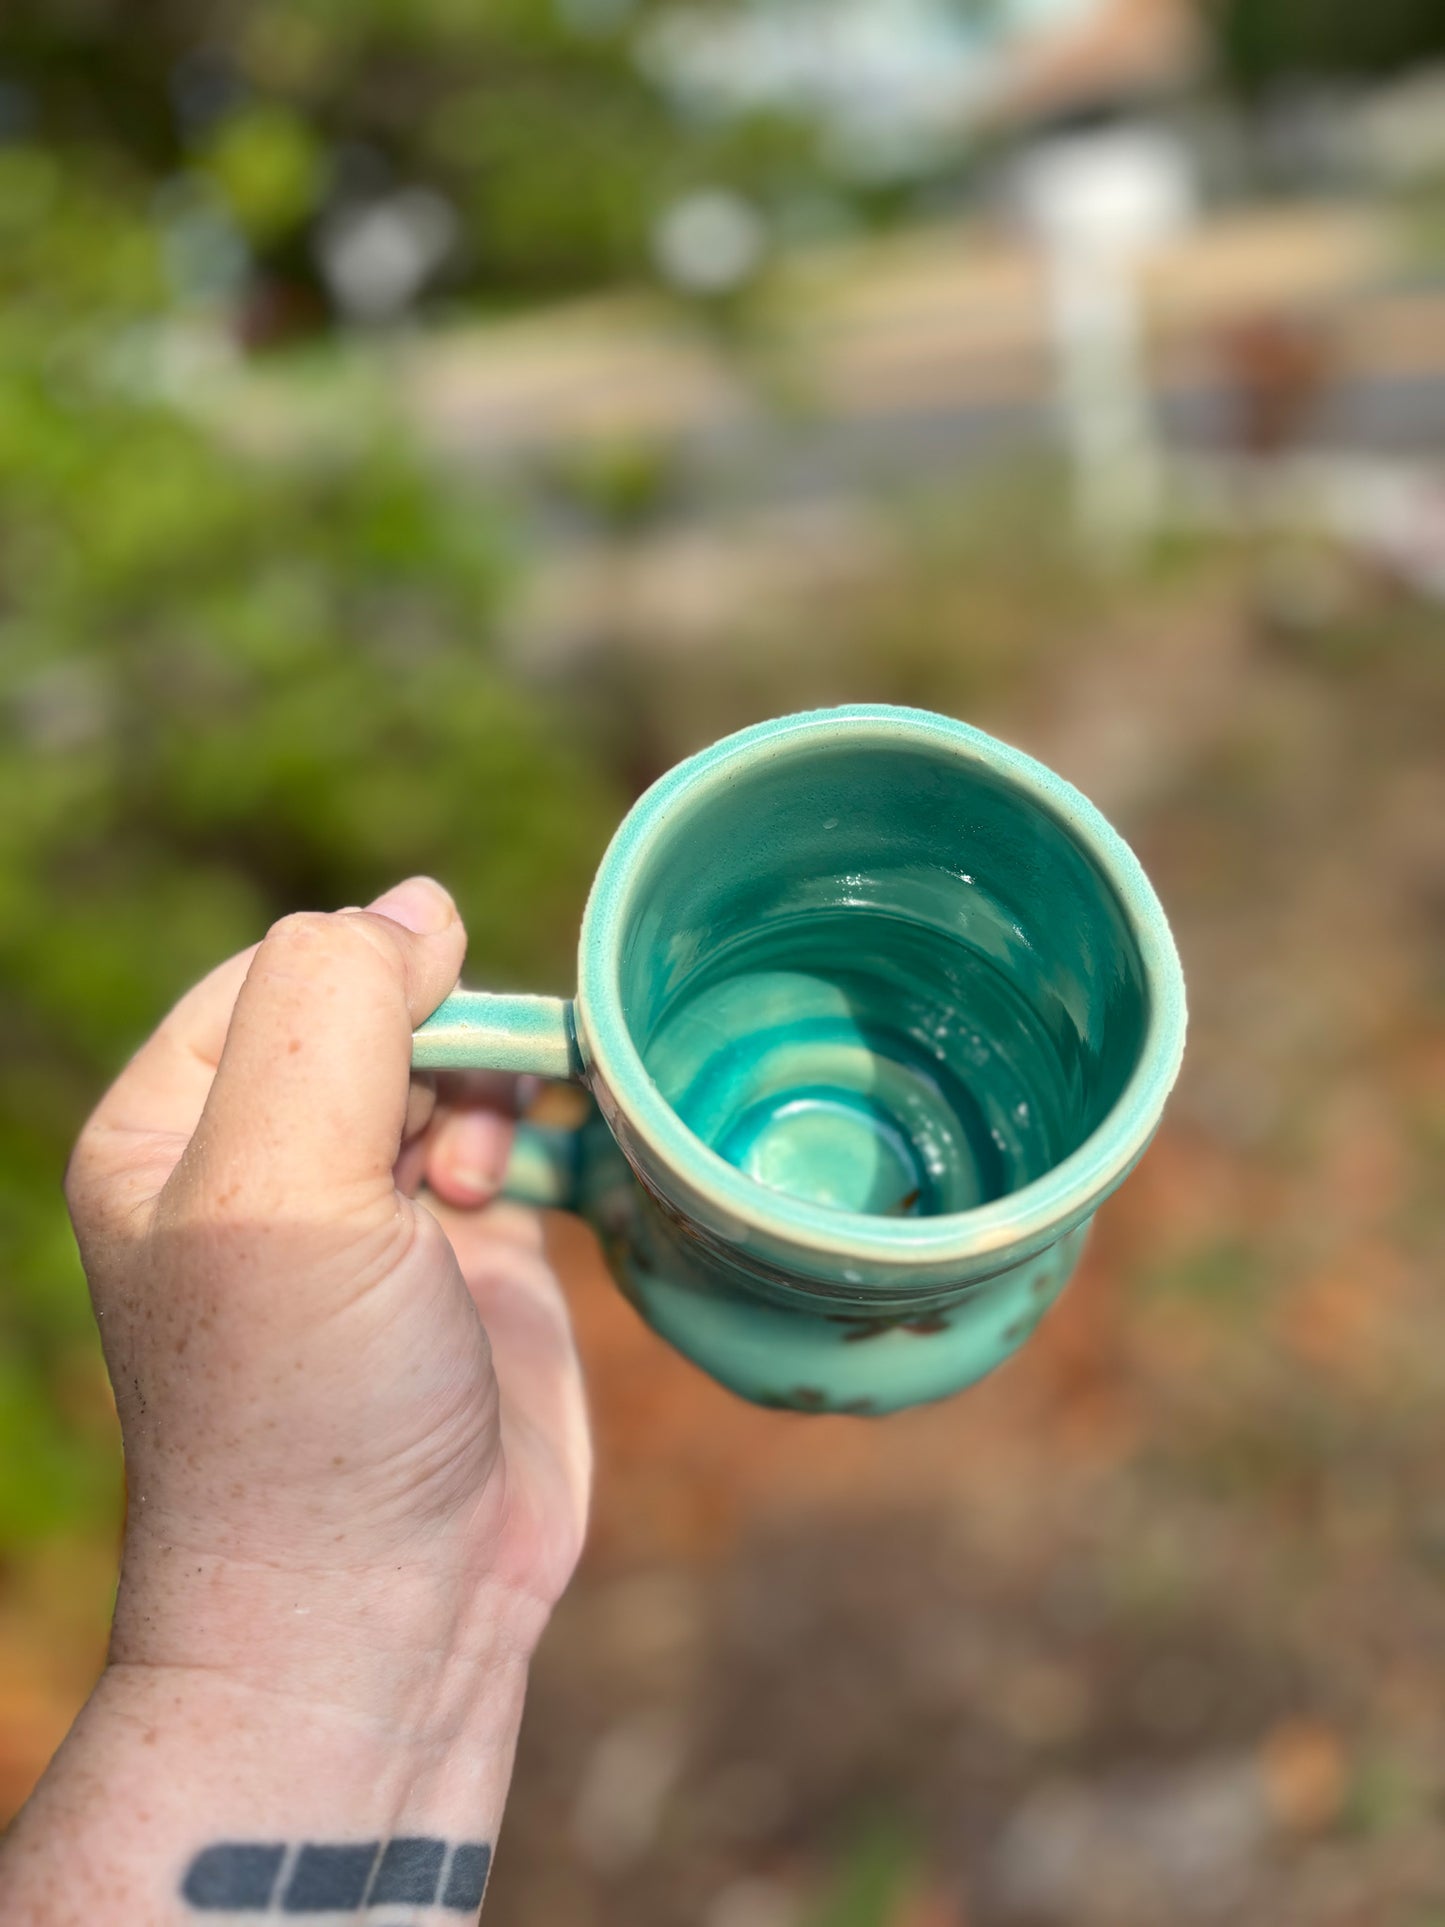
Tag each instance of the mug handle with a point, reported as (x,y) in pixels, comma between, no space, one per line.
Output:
(477,1030)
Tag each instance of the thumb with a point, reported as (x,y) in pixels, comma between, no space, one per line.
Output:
(310,1094)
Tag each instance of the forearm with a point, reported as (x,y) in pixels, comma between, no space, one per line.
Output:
(190,1793)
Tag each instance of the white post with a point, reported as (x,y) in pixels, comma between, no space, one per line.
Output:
(1103,388)
(1095,204)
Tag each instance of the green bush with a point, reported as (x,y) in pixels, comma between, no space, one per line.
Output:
(534,118)
(227,688)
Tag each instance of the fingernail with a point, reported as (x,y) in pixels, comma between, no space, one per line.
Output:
(419,905)
(476,1184)
(475,1152)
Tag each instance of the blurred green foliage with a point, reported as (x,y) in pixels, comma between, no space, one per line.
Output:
(617,483)
(74,258)
(543,124)
(269,169)
(228,687)
(1264,42)
(875,1877)
(533,118)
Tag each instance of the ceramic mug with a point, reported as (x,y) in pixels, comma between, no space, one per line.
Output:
(875,1012)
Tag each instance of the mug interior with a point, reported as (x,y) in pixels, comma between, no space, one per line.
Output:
(880,976)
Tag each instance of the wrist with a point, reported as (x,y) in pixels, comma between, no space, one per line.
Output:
(299,1763)
(420,1653)
(241,1798)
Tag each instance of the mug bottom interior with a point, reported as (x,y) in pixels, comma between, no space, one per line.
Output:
(861,1059)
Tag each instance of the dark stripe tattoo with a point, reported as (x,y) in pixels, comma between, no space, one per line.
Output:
(324,1877)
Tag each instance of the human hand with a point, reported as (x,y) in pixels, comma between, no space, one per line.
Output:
(356,1448)
(317,1376)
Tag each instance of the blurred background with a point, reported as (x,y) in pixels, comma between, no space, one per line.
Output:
(421,422)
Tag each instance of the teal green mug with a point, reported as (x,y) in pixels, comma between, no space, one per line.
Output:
(875,1012)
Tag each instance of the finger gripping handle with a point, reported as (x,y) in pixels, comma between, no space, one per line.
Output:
(476,1030)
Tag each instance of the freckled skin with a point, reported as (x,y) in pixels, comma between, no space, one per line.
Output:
(307,1362)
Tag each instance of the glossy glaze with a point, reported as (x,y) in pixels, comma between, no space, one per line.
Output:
(877,1011)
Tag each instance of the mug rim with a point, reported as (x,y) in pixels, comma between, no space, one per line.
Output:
(1036,1212)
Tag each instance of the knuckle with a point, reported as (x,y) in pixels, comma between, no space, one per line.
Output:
(299,930)
(82,1175)
(102,1189)
(310,942)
